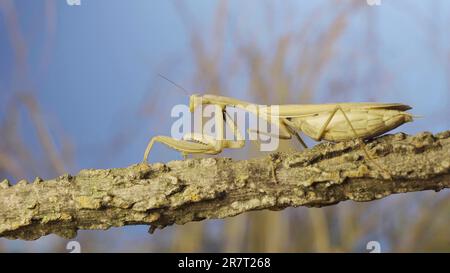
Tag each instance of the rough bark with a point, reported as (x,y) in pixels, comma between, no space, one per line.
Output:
(196,189)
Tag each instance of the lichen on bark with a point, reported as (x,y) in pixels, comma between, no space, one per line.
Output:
(178,192)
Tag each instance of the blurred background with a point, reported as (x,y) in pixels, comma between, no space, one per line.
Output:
(79,89)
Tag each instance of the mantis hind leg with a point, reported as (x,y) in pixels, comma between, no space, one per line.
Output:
(363,145)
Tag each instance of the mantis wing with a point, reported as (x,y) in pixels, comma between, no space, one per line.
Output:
(305,110)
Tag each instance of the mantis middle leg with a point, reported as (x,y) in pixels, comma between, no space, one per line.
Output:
(294,132)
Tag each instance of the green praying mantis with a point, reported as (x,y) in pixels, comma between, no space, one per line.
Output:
(334,122)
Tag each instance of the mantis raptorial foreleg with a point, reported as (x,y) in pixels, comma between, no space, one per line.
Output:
(198,143)
(233,144)
(193,143)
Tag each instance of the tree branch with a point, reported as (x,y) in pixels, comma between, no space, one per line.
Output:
(195,189)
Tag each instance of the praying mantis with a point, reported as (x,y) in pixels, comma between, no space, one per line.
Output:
(334,122)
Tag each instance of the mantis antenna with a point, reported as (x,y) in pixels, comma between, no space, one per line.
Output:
(177,85)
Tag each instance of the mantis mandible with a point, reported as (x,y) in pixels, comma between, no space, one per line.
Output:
(331,122)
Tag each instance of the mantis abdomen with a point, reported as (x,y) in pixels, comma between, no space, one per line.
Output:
(367,123)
